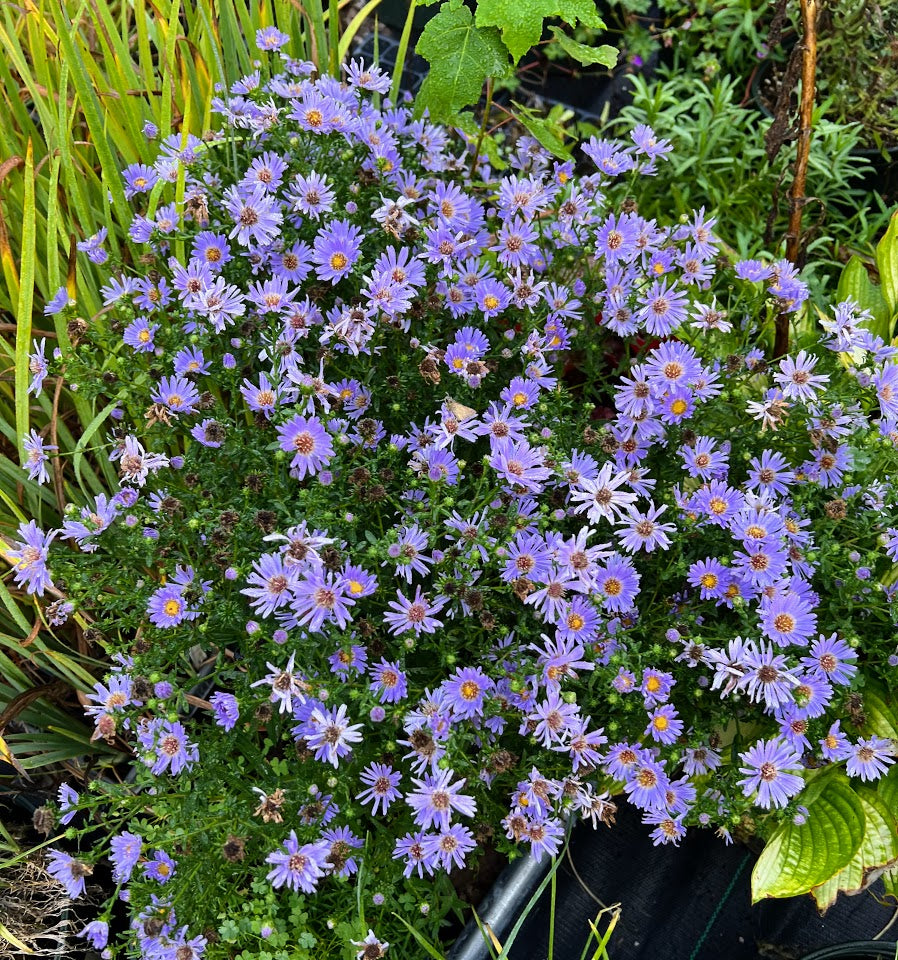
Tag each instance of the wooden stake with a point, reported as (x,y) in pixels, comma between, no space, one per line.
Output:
(797,192)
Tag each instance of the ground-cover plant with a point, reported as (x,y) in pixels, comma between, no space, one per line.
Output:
(440,604)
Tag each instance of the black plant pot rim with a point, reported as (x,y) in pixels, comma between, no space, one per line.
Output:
(856,950)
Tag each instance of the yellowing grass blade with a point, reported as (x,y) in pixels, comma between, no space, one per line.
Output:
(14,940)
(6,754)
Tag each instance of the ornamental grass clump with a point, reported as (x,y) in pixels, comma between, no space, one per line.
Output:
(380,589)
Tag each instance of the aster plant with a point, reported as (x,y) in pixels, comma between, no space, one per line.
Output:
(379,588)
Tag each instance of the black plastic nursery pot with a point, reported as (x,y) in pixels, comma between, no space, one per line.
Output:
(859,950)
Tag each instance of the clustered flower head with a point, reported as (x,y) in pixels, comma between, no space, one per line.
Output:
(442,596)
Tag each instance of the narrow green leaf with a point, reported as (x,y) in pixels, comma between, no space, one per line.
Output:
(25,302)
(14,609)
(799,858)
(604,55)
(111,174)
(427,947)
(87,435)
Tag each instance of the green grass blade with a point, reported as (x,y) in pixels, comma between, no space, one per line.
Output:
(26,301)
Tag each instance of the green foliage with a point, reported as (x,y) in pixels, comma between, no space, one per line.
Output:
(77,83)
(521,21)
(604,55)
(881,299)
(857,66)
(719,162)
(798,858)
(850,835)
(461,56)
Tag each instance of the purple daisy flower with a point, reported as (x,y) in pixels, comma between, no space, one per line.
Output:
(36,459)
(68,871)
(257,216)
(168,608)
(309,442)
(335,250)
(342,842)
(770,472)
(190,360)
(178,394)
(641,531)
(139,178)
(311,195)
(416,614)
(767,676)
(449,847)
(668,829)
(59,302)
(710,576)
(796,377)
(271,583)
(388,681)
(161,867)
(583,746)
(167,746)
(37,367)
(270,38)
(772,770)
(411,847)
(381,782)
(434,800)
(227,709)
(604,496)
(97,934)
(465,691)
(870,759)
(618,583)
(520,466)
(29,557)
(68,799)
(354,659)
(656,686)
(647,785)
(333,734)
(664,725)
(211,249)
(787,619)
(298,867)
(553,718)
(262,398)
(209,433)
(124,852)
(831,659)
(139,335)
(835,746)
(407,552)
(321,597)
(663,308)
